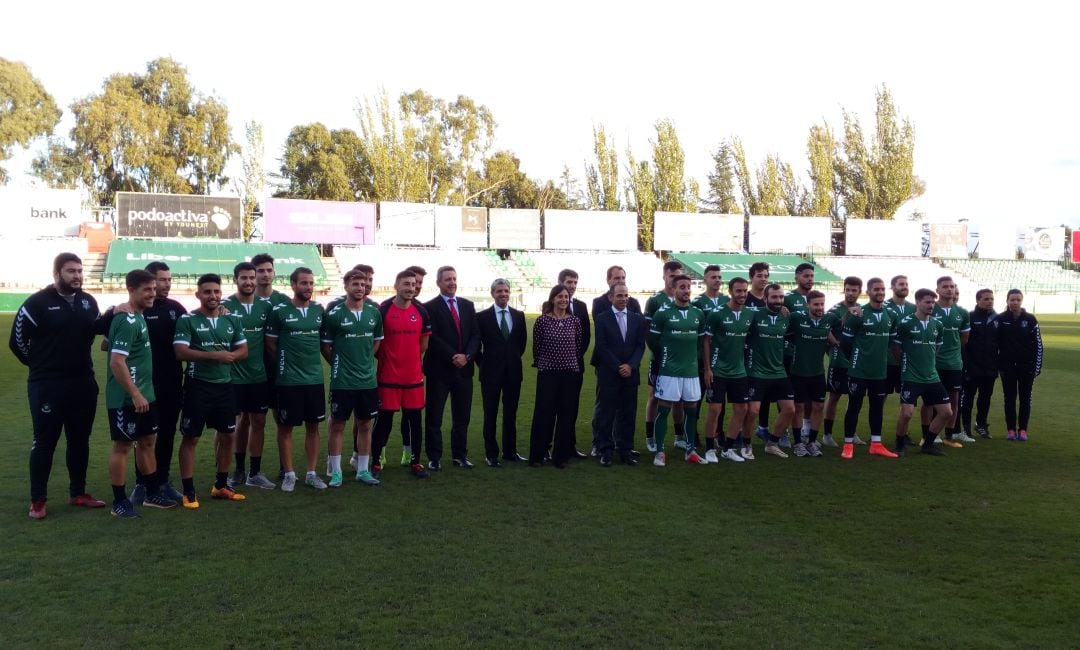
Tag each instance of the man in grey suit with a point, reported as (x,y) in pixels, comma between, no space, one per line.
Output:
(620,344)
(503,338)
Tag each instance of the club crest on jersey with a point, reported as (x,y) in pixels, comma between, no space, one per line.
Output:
(85,304)
(412,317)
(1023,324)
(185,423)
(130,429)
(46,408)
(172,314)
(907,394)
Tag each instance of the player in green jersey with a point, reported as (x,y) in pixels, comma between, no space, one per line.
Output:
(950,360)
(210,344)
(724,350)
(916,345)
(129,396)
(867,335)
(796,302)
(293,340)
(837,380)
(675,339)
(900,307)
(710,300)
(809,334)
(658,303)
(351,334)
(250,388)
(769,381)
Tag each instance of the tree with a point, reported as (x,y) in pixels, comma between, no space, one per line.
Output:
(742,175)
(27,111)
(147,132)
(641,197)
(602,179)
(770,191)
(311,166)
(254,183)
(468,131)
(504,185)
(671,190)
(824,186)
(569,187)
(795,195)
(423,117)
(388,150)
(721,179)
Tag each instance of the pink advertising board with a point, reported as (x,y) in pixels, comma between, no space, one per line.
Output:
(295,221)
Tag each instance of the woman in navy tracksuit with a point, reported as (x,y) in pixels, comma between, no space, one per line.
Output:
(1020,353)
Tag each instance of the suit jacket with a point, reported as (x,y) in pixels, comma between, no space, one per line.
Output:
(602,303)
(443,343)
(611,350)
(499,358)
(579,309)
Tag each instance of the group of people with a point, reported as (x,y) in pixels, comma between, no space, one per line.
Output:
(229,362)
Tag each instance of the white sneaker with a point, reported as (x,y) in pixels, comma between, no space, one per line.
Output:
(801,450)
(288,483)
(829,441)
(710,456)
(937,440)
(354,461)
(814,448)
(315,481)
(592,452)
(694,459)
(963,437)
(731,454)
(775,450)
(260,481)
(680,442)
(748,453)
(650,444)
(660,459)
(857,440)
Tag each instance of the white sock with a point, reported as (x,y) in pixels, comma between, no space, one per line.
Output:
(335,464)
(362,463)
(312,473)
(290,474)
(806,425)
(874,438)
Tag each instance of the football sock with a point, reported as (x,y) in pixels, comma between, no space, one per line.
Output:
(240,456)
(335,464)
(710,443)
(774,439)
(813,435)
(362,463)
(875,437)
(828,426)
(729,443)
(690,427)
(119,493)
(189,486)
(660,426)
(650,428)
(221,480)
(256,465)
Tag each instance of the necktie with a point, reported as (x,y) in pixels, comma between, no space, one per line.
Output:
(457,319)
(622,323)
(503,325)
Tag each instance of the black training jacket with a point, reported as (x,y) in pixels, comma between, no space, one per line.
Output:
(1019,341)
(981,351)
(53,337)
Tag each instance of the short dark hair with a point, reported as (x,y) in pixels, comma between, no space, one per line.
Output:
(242,266)
(852,281)
(62,259)
(814,295)
(615,267)
(873,281)
(772,287)
(680,278)
(710,268)
(297,272)
(982,292)
(925,293)
(757,267)
(352,274)
(734,281)
(895,279)
(155,266)
(416,270)
(407,273)
(803,267)
(944,278)
(262,258)
(208,278)
(1014,292)
(366,269)
(567,273)
(672,265)
(136,278)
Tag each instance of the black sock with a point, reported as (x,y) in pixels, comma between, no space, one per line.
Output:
(774,439)
(729,443)
(710,443)
(150,481)
(256,465)
(901,442)
(680,429)
(221,479)
(740,440)
(240,456)
(828,426)
(925,430)
(649,429)
(119,493)
(928,437)
(189,486)
(812,437)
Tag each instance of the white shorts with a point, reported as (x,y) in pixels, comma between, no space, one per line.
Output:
(678,389)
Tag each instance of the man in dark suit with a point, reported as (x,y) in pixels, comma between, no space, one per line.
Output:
(620,344)
(503,338)
(569,279)
(615,275)
(448,365)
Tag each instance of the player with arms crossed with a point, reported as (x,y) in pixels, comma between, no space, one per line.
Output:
(769,380)
(915,345)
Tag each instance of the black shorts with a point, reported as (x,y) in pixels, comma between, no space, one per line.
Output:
(737,391)
(931,394)
(363,404)
(837,381)
(299,404)
(951,379)
(207,405)
(892,376)
(808,389)
(125,425)
(770,390)
(252,398)
(872,387)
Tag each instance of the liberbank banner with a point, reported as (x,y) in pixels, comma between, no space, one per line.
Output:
(196,258)
(182,216)
(319,222)
(39,212)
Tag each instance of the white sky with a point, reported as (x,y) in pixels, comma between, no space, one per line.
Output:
(991,87)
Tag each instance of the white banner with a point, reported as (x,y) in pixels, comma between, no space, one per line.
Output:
(458,227)
(884,237)
(701,232)
(40,212)
(406,224)
(795,235)
(949,240)
(1044,243)
(600,230)
(514,229)
(997,241)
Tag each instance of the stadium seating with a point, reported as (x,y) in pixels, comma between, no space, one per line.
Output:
(920,271)
(1027,275)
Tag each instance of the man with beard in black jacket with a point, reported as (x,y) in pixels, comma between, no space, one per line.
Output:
(980,366)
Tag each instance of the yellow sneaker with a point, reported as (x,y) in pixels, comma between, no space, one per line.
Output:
(951,443)
(191,503)
(226,493)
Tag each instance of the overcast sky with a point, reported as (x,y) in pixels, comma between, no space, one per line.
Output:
(990,87)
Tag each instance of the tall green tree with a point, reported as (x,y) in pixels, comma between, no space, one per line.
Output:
(672,191)
(824,186)
(504,185)
(424,120)
(742,175)
(311,166)
(602,178)
(641,197)
(389,151)
(27,111)
(770,190)
(468,131)
(721,180)
(795,195)
(149,132)
(254,181)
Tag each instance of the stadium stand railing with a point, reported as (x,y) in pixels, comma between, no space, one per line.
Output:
(920,271)
(1030,276)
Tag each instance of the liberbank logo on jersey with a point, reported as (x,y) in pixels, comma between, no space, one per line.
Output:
(177,215)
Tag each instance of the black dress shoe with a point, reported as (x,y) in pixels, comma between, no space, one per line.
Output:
(580,454)
(605,460)
(515,458)
(493,462)
(463,463)
(628,460)
(547,456)
(435,465)
(634,453)
(561,464)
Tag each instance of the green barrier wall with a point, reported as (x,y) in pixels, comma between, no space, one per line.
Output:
(196,258)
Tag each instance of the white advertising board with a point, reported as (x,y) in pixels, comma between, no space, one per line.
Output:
(1044,243)
(40,212)
(795,235)
(698,232)
(514,229)
(590,230)
(948,240)
(461,227)
(406,224)
(884,237)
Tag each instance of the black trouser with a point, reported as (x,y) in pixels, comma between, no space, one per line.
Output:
(510,391)
(61,405)
(983,387)
(169,401)
(1017,384)
(459,388)
(381,433)
(877,412)
(578,379)
(614,417)
(557,392)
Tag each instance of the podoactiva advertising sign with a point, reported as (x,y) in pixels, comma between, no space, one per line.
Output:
(177,215)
